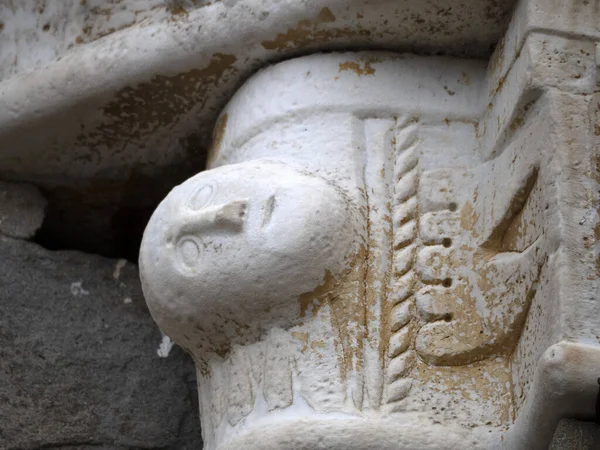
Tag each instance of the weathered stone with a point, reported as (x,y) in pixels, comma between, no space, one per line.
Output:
(376,242)
(79,364)
(576,435)
(21,209)
(102,141)
(389,250)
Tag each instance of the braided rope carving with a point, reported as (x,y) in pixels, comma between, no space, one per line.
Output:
(405,223)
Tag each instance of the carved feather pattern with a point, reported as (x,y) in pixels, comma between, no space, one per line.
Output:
(405,223)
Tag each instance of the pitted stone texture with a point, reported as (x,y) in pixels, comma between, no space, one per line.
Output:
(38,32)
(21,209)
(80,368)
(576,435)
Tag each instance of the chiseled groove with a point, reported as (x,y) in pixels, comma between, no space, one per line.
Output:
(405,223)
(402,260)
(399,342)
(404,287)
(406,138)
(399,389)
(401,364)
(406,235)
(401,315)
(405,164)
(405,211)
(406,187)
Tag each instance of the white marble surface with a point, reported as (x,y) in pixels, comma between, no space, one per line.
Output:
(446,298)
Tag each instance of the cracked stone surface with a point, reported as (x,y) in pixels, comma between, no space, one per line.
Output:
(80,367)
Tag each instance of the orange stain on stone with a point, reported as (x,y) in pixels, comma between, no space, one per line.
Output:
(355,67)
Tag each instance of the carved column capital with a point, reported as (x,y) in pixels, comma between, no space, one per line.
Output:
(377,257)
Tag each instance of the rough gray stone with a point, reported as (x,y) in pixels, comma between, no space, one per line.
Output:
(79,366)
(576,435)
(78,358)
(21,209)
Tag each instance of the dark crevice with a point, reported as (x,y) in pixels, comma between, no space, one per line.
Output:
(108,218)
(110,234)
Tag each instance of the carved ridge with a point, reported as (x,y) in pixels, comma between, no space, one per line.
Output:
(405,225)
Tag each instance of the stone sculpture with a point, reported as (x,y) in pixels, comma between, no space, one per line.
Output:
(386,251)
(363,263)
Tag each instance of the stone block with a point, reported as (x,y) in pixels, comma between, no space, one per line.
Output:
(80,365)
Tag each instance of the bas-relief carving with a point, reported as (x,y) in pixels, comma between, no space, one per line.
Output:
(342,264)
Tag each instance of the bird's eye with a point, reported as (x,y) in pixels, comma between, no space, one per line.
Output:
(201,197)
